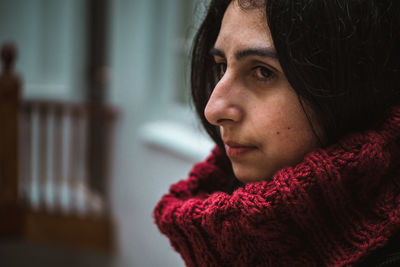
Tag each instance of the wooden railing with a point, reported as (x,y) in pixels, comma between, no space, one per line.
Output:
(54,157)
(10,91)
(50,189)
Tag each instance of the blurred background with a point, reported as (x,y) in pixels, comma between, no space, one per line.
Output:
(96,125)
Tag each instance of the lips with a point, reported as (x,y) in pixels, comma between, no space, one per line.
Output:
(235,150)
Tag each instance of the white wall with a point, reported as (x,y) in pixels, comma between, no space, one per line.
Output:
(50,35)
(142,66)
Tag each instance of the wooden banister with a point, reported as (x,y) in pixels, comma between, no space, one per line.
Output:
(10,91)
(55,152)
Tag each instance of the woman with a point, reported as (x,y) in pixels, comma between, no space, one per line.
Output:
(302,99)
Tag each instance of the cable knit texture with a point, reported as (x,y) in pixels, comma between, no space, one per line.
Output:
(333,209)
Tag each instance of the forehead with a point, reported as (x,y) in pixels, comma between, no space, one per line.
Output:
(243,28)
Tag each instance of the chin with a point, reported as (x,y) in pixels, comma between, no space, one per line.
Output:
(248,177)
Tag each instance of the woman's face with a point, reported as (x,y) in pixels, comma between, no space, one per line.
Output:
(262,122)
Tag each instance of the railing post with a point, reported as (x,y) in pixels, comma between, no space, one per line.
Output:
(10,93)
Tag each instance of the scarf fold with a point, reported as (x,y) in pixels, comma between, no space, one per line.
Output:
(332,209)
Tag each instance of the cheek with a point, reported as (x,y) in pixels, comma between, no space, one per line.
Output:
(278,117)
(295,138)
(283,123)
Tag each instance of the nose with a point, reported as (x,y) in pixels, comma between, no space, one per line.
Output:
(224,105)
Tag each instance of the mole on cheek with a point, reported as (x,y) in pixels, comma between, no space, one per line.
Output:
(289,128)
(277,133)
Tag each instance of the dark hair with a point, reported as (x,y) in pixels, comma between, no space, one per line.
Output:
(341,57)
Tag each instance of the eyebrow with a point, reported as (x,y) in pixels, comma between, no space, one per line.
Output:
(261,52)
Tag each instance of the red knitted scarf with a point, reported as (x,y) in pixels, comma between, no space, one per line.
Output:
(333,209)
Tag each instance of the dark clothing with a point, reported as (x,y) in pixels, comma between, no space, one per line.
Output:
(388,256)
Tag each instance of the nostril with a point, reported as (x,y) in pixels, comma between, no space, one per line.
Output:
(220,121)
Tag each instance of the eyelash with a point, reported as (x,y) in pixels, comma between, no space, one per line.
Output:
(262,73)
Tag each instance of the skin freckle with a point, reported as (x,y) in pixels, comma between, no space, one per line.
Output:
(277,133)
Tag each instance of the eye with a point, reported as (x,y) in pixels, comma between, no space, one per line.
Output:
(220,69)
(262,73)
